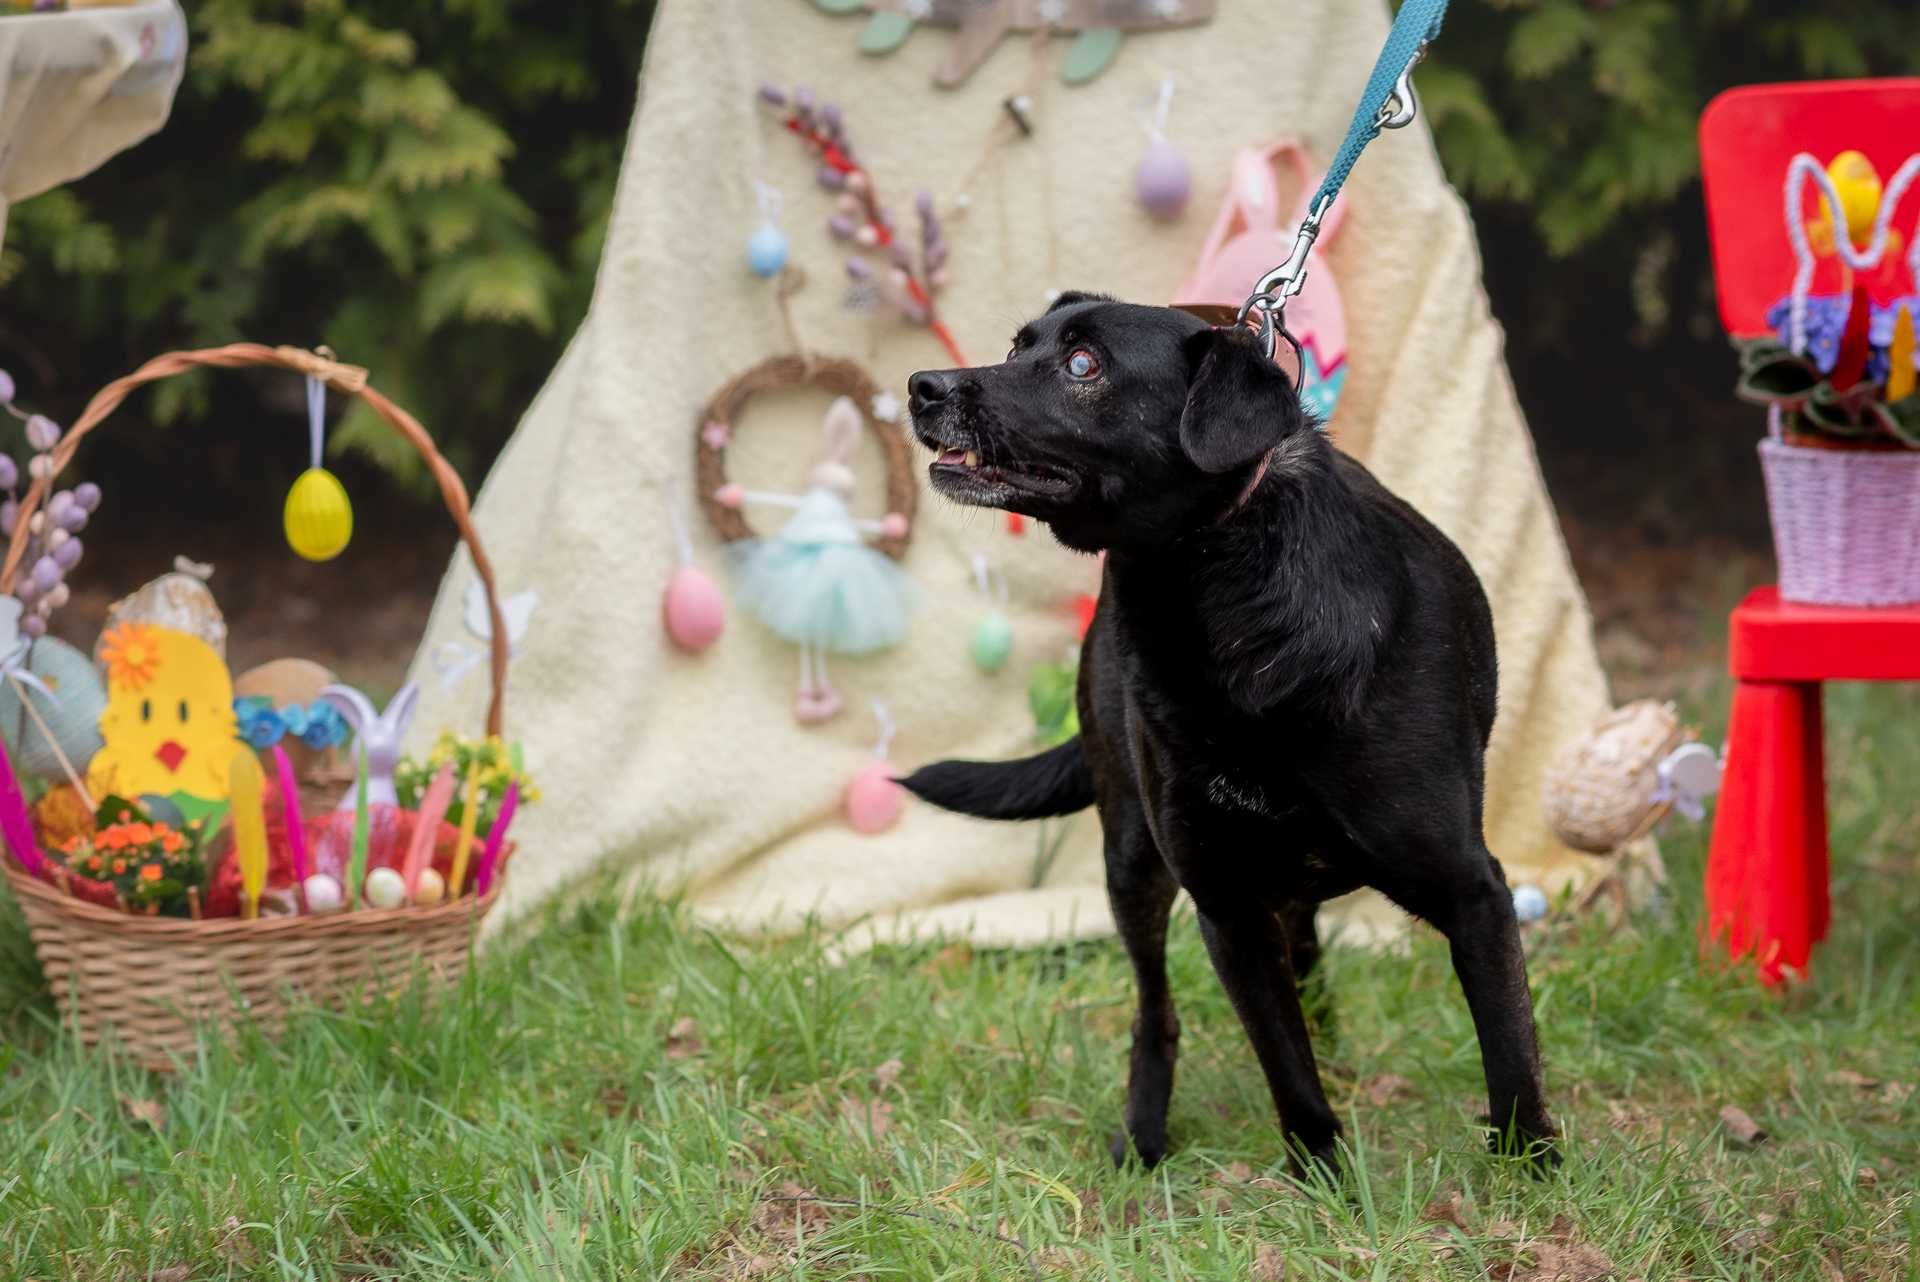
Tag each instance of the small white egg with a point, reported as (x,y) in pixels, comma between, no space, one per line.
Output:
(323,893)
(431,890)
(386,888)
(1529,902)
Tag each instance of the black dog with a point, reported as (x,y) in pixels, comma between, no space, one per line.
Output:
(1285,695)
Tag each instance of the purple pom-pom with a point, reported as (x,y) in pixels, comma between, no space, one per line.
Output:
(923,204)
(42,432)
(61,502)
(6,388)
(9,516)
(936,256)
(901,255)
(773,95)
(67,555)
(34,625)
(829,178)
(9,472)
(46,573)
(830,117)
(76,519)
(87,495)
(25,589)
(841,227)
(858,268)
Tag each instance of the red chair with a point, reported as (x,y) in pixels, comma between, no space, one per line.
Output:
(1766,891)
(1767,868)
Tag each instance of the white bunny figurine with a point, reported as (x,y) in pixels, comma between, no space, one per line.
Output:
(377,734)
(816,582)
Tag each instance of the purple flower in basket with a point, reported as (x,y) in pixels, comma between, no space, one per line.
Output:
(1826,320)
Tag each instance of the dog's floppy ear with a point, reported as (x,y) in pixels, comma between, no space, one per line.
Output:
(1240,404)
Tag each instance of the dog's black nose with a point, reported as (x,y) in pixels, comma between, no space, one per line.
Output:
(928,387)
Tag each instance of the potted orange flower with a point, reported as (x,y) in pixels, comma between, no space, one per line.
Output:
(146,864)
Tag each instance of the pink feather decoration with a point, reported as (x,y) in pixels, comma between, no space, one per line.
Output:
(295,823)
(16,825)
(496,839)
(433,808)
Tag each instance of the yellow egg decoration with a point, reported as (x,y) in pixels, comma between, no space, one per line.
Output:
(319,518)
(1858,184)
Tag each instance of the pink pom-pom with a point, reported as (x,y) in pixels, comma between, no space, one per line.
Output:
(894,525)
(873,799)
(730,495)
(694,610)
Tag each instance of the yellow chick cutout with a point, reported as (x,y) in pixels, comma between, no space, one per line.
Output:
(169,725)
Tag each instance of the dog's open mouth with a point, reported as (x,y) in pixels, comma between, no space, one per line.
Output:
(963,475)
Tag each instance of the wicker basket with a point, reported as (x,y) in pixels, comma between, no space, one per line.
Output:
(154,983)
(1845,522)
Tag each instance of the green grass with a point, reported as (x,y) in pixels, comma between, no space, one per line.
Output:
(553,1124)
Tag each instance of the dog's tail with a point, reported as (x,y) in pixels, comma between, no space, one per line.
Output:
(1057,782)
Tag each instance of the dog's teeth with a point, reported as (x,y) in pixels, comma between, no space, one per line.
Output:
(973,458)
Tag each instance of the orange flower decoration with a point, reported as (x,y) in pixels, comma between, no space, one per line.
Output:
(150,872)
(131,654)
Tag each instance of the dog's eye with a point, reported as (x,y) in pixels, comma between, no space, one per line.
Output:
(1082,364)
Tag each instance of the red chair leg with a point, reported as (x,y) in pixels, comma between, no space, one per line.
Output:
(1766,885)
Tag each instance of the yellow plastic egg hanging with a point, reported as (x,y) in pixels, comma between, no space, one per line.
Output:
(319,519)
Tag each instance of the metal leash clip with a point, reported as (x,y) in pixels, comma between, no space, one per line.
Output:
(1272,292)
(1398,111)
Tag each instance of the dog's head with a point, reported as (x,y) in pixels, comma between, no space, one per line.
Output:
(1117,425)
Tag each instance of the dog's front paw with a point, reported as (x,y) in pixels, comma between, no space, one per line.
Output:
(1149,1149)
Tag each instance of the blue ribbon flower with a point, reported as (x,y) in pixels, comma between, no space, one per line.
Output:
(260,725)
(318,725)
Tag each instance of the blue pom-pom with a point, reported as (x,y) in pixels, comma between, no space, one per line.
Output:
(767,251)
(1529,902)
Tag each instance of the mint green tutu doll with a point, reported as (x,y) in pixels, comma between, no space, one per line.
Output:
(816,582)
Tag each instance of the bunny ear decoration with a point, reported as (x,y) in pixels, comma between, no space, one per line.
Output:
(355,708)
(399,714)
(377,736)
(840,431)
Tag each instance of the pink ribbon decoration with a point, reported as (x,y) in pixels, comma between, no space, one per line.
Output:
(16,825)
(496,840)
(426,826)
(290,814)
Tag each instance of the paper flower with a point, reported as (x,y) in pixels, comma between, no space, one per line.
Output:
(716,435)
(318,725)
(259,724)
(131,654)
(325,727)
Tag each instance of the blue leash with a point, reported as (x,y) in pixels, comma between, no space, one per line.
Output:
(1386,103)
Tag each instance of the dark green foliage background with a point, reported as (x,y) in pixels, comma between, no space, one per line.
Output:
(431,182)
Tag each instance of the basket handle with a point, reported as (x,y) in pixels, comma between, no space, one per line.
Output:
(349,380)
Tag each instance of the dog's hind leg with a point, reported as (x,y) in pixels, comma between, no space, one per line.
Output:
(1480,926)
(1250,947)
(1141,891)
(1303,955)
